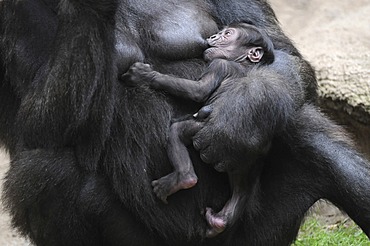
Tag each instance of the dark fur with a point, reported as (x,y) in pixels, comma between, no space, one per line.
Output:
(242,61)
(85,148)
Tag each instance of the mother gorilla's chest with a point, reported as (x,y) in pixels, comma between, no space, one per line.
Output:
(167,29)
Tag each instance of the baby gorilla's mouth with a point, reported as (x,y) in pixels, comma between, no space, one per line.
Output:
(211,42)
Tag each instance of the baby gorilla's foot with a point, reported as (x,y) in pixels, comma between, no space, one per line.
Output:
(216,222)
(172,183)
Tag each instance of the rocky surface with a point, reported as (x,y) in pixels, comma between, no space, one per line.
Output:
(335,37)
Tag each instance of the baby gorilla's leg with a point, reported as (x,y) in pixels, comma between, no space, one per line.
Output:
(172,183)
(233,208)
(183,177)
(226,217)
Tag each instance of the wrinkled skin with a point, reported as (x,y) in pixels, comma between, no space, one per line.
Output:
(84,147)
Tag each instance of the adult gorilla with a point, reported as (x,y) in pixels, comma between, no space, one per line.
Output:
(84,147)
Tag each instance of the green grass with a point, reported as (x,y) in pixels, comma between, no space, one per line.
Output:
(313,233)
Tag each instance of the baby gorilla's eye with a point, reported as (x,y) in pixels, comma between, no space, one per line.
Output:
(228,33)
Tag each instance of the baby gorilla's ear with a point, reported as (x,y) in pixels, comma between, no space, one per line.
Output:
(255,54)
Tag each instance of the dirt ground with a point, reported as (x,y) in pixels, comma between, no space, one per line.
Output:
(332,29)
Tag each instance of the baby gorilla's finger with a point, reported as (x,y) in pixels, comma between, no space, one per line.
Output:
(142,66)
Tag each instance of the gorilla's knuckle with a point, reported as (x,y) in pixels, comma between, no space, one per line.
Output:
(196,143)
(221,166)
(205,157)
(207,154)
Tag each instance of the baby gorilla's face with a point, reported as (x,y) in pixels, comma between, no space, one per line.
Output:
(223,44)
(239,42)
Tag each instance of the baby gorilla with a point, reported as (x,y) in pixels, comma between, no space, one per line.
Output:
(233,53)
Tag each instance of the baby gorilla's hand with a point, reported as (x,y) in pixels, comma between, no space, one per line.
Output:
(138,73)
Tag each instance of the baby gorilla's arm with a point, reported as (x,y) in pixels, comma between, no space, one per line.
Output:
(197,91)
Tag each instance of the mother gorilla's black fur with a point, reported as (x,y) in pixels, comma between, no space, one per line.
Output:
(84,147)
